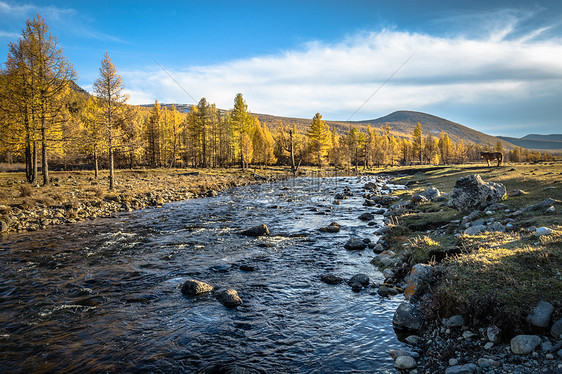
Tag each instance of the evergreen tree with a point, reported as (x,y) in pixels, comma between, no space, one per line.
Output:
(38,79)
(241,124)
(109,90)
(153,136)
(445,147)
(319,136)
(417,142)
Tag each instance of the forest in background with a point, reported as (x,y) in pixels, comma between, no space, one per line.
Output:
(47,121)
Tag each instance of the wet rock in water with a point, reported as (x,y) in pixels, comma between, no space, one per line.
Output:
(386,291)
(332,227)
(260,230)
(540,317)
(355,244)
(378,249)
(388,273)
(229,298)
(331,279)
(367,217)
(407,317)
(462,369)
(362,279)
(339,196)
(369,202)
(454,321)
(405,363)
(247,268)
(556,329)
(524,344)
(194,287)
(89,301)
(471,192)
(370,186)
(543,231)
(3,226)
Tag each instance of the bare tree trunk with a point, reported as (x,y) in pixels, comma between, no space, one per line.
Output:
(34,176)
(111,171)
(96,163)
(45,166)
(293,168)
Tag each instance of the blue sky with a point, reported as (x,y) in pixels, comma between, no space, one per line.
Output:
(495,66)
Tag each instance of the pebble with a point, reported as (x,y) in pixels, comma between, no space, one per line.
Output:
(405,363)
(487,362)
(413,339)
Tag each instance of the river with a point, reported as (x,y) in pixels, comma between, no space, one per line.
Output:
(104,295)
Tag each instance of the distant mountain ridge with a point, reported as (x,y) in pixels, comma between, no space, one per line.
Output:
(402,123)
(552,142)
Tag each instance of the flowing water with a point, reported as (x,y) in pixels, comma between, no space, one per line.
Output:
(104,295)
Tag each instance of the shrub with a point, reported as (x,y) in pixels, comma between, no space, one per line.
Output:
(26,191)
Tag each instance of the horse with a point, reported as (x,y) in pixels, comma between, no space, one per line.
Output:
(489,156)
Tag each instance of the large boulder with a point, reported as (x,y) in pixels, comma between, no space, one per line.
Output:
(540,317)
(355,244)
(260,230)
(524,344)
(471,192)
(407,317)
(194,287)
(229,298)
(556,329)
(417,280)
(431,193)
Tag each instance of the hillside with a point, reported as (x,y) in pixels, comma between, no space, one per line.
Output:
(402,123)
(537,142)
(556,137)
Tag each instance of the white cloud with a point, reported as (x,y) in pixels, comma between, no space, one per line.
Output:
(65,18)
(335,79)
(10,35)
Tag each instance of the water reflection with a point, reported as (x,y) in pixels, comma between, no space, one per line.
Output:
(103,296)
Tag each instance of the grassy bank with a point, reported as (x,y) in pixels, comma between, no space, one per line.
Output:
(494,277)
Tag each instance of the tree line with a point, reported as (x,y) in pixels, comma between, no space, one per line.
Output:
(45,118)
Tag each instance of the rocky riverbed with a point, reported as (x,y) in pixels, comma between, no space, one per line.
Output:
(274,287)
(457,345)
(77,198)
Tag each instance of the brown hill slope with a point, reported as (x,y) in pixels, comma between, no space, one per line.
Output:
(535,144)
(402,123)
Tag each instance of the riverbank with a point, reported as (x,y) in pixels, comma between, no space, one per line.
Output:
(477,279)
(77,195)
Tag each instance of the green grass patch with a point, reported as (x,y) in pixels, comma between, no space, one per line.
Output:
(501,280)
